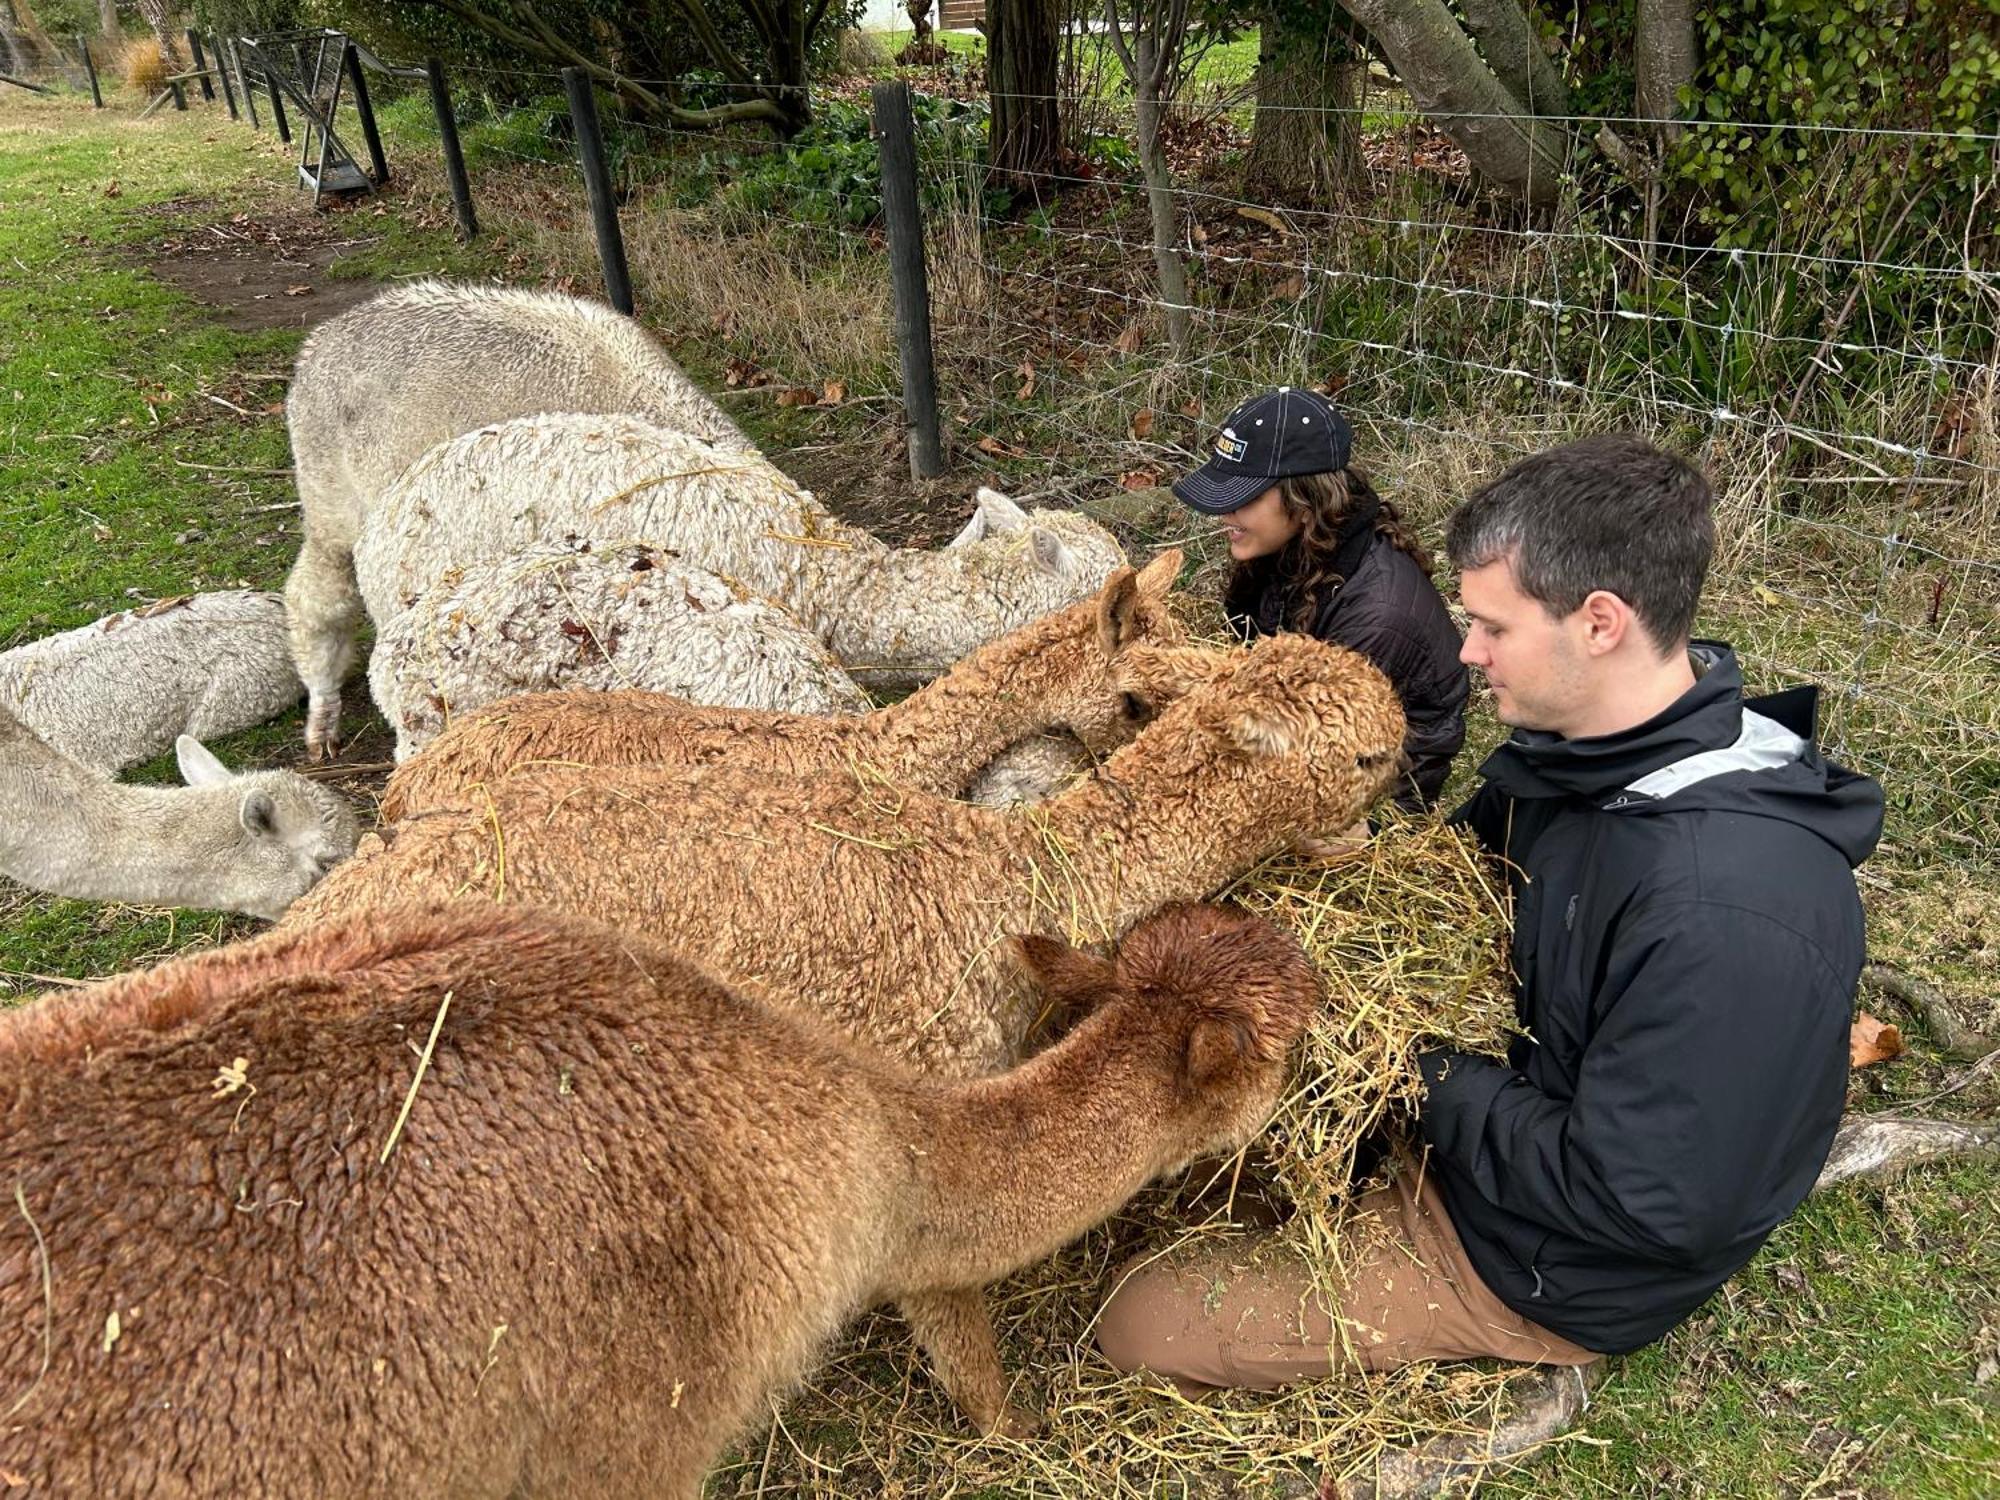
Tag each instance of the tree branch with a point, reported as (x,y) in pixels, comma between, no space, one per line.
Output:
(1118,42)
(711,41)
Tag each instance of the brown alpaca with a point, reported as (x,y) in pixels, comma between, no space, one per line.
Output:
(880,908)
(1057,672)
(627,1206)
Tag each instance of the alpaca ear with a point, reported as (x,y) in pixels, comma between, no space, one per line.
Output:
(1002,515)
(1219,1047)
(1065,976)
(260,815)
(1118,621)
(1157,577)
(198,764)
(1268,729)
(973,531)
(1050,555)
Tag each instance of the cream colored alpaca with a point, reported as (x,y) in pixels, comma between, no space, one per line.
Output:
(899,614)
(626,617)
(627,1209)
(1062,670)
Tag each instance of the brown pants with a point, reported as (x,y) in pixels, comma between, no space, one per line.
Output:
(1250,1316)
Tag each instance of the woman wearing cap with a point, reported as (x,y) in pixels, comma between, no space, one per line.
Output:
(1317,551)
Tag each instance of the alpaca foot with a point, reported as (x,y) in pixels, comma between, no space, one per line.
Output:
(323,730)
(1017,1422)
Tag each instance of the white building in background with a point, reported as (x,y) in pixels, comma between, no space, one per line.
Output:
(889,15)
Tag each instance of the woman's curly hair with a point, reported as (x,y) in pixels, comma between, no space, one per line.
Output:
(1321,504)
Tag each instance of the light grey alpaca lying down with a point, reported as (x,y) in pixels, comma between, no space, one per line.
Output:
(252,842)
(387,380)
(122,689)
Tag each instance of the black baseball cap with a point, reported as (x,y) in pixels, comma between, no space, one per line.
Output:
(1270,437)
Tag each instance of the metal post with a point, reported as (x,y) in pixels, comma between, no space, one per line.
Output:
(364,108)
(603,211)
(200,64)
(90,67)
(180,99)
(896,139)
(222,72)
(454,158)
(243,84)
(277,97)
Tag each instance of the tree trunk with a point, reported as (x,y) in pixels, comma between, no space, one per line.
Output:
(157,16)
(1160,192)
(107,18)
(919,12)
(1663,61)
(1514,52)
(1305,143)
(1022,38)
(1438,64)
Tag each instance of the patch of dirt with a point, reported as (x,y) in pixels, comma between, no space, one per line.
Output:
(266,271)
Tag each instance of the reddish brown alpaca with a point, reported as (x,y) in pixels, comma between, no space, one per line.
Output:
(1062,671)
(627,1207)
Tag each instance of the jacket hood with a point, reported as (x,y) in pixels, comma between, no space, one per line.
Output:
(1711,749)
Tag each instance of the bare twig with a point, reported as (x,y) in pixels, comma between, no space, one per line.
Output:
(1954,1038)
(48,1304)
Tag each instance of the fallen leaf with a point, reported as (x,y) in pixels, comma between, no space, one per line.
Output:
(1129,341)
(1139,479)
(1026,371)
(1198,234)
(1191,408)
(297,291)
(1765,596)
(1872,1041)
(1290,289)
(112,190)
(993,445)
(1142,423)
(1263,216)
(798,395)
(12,1480)
(112,1328)
(834,394)
(162,606)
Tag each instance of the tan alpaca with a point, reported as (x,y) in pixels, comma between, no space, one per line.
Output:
(880,907)
(1057,672)
(627,1207)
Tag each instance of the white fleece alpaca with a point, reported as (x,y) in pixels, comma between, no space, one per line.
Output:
(564,615)
(897,614)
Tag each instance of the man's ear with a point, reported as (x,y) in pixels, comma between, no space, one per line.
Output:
(1607,621)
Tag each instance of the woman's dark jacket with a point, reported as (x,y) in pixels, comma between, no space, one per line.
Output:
(1385,607)
(1687,936)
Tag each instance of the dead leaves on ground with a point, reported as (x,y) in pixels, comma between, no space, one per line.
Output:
(1870,1041)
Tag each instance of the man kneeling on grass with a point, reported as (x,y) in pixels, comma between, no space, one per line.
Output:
(1687,939)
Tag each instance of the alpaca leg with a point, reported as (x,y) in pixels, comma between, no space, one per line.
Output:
(956,1333)
(322,608)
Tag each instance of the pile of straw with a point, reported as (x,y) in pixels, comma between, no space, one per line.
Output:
(1410,937)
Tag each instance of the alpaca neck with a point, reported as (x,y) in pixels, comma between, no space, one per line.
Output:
(86,836)
(1158,823)
(1011,1168)
(951,728)
(896,615)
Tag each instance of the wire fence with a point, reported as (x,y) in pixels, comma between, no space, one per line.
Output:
(1843,397)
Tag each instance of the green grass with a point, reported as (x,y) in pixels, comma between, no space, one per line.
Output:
(1844,1360)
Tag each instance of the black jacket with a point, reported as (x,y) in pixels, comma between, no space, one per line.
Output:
(1687,939)
(1388,610)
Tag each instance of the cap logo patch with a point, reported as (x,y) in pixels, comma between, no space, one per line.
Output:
(1230,446)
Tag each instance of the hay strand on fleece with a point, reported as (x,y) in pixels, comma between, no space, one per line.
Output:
(1409,935)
